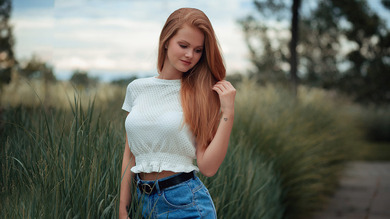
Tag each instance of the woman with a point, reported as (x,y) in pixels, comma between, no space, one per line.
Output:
(175,118)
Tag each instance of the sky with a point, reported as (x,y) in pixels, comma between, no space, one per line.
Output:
(113,39)
(117,38)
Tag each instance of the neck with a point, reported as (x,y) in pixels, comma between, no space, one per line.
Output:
(168,76)
(169,73)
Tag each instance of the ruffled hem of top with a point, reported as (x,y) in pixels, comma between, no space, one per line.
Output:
(155,166)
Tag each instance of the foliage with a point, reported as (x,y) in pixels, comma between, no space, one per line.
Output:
(376,123)
(368,76)
(268,57)
(246,185)
(374,151)
(51,168)
(321,46)
(81,79)
(30,93)
(308,139)
(37,69)
(124,81)
(342,45)
(7,59)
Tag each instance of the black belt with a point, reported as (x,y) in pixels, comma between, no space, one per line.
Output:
(164,184)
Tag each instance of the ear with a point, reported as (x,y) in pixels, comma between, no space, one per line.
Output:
(166,45)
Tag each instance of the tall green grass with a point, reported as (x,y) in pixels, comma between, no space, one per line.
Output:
(246,185)
(284,157)
(308,138)
(58,164)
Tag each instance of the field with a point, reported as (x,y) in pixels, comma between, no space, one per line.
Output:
(61,151)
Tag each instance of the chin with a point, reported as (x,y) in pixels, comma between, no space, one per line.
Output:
(183,70)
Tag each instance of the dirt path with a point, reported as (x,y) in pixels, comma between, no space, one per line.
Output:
(364,193)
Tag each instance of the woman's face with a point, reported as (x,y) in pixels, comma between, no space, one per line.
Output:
(184,49)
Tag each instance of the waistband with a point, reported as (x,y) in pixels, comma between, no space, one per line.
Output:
(150,186)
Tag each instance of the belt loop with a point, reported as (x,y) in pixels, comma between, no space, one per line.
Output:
(157,185)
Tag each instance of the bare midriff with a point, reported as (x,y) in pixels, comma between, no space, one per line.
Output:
(156,175)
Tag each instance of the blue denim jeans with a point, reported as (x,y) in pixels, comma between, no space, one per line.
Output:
(189,199)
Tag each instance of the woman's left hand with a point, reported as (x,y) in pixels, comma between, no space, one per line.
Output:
(227,94)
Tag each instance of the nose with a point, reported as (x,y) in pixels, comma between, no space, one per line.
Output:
(189,53)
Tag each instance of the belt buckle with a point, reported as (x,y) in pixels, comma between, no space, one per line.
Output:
(146,188)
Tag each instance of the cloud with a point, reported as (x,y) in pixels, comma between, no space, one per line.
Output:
(117,36)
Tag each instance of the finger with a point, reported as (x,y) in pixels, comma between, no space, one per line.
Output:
(227,84)
(219,85)
(217,89)
(224,86)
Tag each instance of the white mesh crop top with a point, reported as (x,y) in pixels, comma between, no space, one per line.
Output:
(157,137)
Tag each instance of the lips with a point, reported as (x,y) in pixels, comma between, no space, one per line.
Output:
(186,62)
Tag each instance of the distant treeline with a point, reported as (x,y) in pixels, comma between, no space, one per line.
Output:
(339,44)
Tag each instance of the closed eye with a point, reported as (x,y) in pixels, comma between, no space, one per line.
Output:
(199,51)
(183,46)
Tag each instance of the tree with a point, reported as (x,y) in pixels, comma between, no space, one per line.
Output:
(368,77)
(293,44)
(320,49)
(7,59)
(38,69)
(317,48)
(267,43)
(124,81)
(326,31)
(81,79)
(269,62)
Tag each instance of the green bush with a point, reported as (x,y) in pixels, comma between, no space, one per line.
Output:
(376,123)
(308,138)
(246,185)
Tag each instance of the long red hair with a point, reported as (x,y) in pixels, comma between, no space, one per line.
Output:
(201,105)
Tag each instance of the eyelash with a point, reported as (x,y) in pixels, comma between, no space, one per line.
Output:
(197,51)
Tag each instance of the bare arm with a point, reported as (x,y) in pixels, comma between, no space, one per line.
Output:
(210,158)
(125,192)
